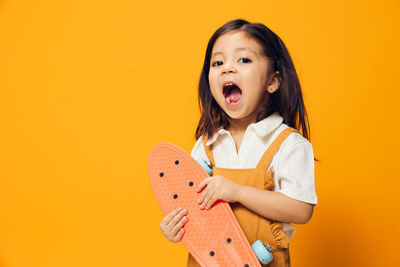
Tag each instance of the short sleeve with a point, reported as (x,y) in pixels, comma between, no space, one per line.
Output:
(198,151)
(295,172)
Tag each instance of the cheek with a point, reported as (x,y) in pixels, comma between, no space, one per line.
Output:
(214,92)
(213,83)
(258,82)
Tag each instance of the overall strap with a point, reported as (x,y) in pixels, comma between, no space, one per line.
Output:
(273,148)
(209,151)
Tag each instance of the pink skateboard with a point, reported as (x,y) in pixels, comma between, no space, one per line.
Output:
(213,236)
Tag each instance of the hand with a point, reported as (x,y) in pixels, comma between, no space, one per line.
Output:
(172,225)
(217,188)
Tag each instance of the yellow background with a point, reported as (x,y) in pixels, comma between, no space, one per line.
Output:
(88,87)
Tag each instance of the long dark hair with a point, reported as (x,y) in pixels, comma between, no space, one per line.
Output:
(287,100)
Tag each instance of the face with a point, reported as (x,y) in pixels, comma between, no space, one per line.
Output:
(238,75)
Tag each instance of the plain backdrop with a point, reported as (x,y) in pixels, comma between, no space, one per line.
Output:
(87,88)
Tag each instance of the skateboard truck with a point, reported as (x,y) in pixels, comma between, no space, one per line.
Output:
(263,252)
(206,166)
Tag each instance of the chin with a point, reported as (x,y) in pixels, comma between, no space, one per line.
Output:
(235,115)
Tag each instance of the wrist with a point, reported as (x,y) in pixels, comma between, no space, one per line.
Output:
(239,193)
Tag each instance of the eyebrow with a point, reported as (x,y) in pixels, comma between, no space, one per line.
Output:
(238,49)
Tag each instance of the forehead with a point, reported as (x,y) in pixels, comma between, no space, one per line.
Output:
(236,41)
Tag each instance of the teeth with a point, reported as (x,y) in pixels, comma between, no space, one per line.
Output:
(227,85)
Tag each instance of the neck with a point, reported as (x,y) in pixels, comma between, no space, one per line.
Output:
(240,125)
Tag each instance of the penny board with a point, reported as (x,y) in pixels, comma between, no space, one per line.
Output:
(214,236)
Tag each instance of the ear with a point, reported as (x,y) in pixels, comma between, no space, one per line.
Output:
(274,82)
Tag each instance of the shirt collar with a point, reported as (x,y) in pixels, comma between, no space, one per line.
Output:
(262,128)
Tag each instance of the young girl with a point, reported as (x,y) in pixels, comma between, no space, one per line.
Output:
(252,109)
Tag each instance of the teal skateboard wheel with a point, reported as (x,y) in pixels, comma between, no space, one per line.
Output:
(205,166)
(262,252)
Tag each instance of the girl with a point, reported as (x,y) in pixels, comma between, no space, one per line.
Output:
(252,109)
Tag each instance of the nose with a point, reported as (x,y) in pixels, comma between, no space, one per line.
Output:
(228,67)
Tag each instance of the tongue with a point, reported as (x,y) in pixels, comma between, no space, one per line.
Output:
(235,95)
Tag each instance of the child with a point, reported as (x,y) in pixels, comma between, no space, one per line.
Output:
(252,107)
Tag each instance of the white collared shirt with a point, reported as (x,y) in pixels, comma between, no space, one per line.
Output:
(293,164)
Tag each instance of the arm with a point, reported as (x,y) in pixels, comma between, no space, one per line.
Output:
(270,204)
(274,205)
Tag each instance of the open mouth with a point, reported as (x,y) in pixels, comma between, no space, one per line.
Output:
(232,93)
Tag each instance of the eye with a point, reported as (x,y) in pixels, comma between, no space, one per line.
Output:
(245,60)
(216,63)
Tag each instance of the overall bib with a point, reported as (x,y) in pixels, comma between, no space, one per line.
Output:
(254,226)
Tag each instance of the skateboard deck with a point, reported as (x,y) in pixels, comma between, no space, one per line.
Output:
(214,236)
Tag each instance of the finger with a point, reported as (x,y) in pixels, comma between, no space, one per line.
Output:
(203,195)
(179,236)
(179,226)
(203,184)
(167,219)
(201,198)
(207,194)
(177,218)
(210,201)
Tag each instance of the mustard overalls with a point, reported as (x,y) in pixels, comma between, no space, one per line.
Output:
(254,226)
